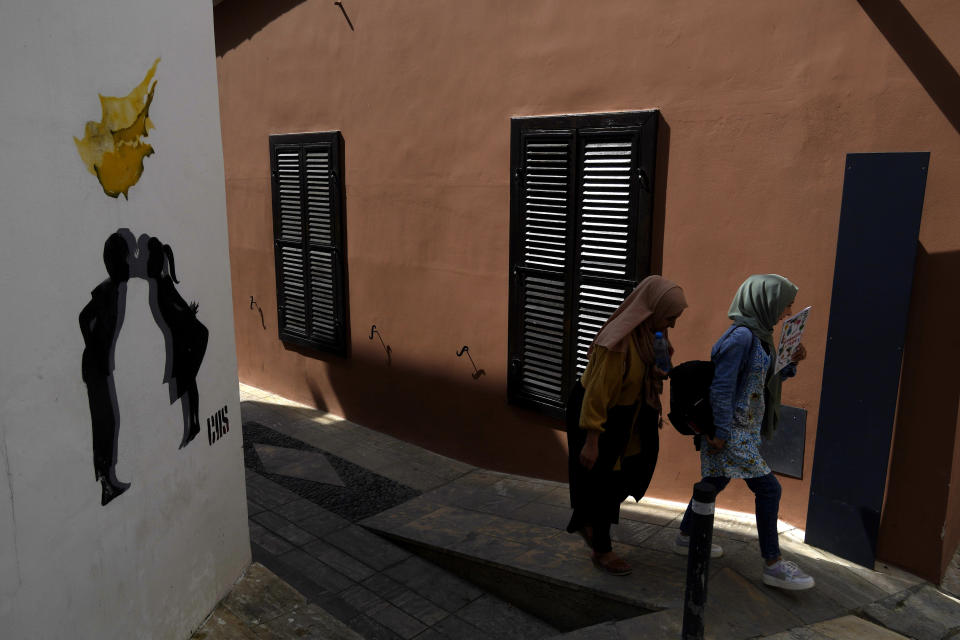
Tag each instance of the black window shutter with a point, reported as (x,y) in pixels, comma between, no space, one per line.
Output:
(580,241)
(541,229)
(606,241)
(307,178)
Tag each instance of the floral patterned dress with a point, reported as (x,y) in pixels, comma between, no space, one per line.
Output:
(741,458)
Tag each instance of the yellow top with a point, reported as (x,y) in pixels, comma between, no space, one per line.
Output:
(611,379)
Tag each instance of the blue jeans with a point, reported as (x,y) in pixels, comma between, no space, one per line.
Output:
(766,489)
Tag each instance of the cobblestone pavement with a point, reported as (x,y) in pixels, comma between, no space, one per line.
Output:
(261,605)
(304,531)
(334,508)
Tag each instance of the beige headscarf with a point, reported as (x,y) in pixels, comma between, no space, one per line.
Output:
(654,299)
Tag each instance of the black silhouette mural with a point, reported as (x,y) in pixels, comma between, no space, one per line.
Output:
(100,323)
(185,338)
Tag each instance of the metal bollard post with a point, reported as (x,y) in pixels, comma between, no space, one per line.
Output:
(698,560)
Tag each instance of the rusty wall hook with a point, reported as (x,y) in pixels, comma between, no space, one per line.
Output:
(386,347)
(476,372)
(252,303)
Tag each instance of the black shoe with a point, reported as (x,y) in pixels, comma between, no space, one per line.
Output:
(111,489)
(194,430)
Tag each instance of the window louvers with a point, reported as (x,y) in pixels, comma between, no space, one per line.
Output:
(546,202)
(309,241)
(546,194)
(293,311)
(323,318)
(605,218)
(606,255)
(288,184)
(318,204)
(594,306)
(580,234)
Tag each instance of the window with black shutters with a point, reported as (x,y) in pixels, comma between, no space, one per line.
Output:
(308,236)
(580,234)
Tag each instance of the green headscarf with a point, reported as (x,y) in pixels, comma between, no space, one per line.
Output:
(758,304)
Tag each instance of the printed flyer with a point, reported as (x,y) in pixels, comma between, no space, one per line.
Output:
(790,337)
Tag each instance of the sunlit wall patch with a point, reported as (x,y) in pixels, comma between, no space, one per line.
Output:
(113,149)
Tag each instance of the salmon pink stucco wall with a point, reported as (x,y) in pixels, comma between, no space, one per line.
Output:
(760,102)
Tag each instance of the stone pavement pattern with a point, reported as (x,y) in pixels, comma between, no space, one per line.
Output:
(507,529)
(261,605)
(302,528)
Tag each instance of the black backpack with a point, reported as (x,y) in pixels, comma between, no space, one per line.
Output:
(690,410)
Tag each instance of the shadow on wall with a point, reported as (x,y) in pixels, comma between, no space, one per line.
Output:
(460,417)
(923,447)
(925,60)
(238,20)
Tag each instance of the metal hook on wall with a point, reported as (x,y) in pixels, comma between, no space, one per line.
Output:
(386,347)
(349,22)
(476,372)
(252,303)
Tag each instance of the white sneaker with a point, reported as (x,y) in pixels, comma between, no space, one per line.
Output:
(785,574)
(681,546)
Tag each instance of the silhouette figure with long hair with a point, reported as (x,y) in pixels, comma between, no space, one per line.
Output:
(100,322)
(185,336)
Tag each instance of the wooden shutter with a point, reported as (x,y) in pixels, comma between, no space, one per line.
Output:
(543,221)
(580,241)
(309,239)
(320,196)
(291,282)
(607,215)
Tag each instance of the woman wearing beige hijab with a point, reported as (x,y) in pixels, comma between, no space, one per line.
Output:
(613,416)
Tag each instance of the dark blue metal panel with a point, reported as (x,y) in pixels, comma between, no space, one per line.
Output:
(876,249)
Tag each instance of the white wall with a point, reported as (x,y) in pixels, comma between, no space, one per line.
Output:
(154,561)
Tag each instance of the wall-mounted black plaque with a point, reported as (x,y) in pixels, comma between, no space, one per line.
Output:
(784,452)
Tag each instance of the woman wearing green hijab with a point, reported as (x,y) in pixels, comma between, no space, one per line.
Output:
(745,397)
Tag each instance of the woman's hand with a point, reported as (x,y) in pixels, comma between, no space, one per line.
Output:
(716,444)
(590,450)
(799,354)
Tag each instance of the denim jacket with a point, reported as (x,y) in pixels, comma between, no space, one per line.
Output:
(730,355)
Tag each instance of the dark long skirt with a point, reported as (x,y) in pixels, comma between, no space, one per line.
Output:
(596,494)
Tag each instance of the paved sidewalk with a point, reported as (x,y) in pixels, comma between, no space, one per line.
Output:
(337,509)
(310,478)
(261,605)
